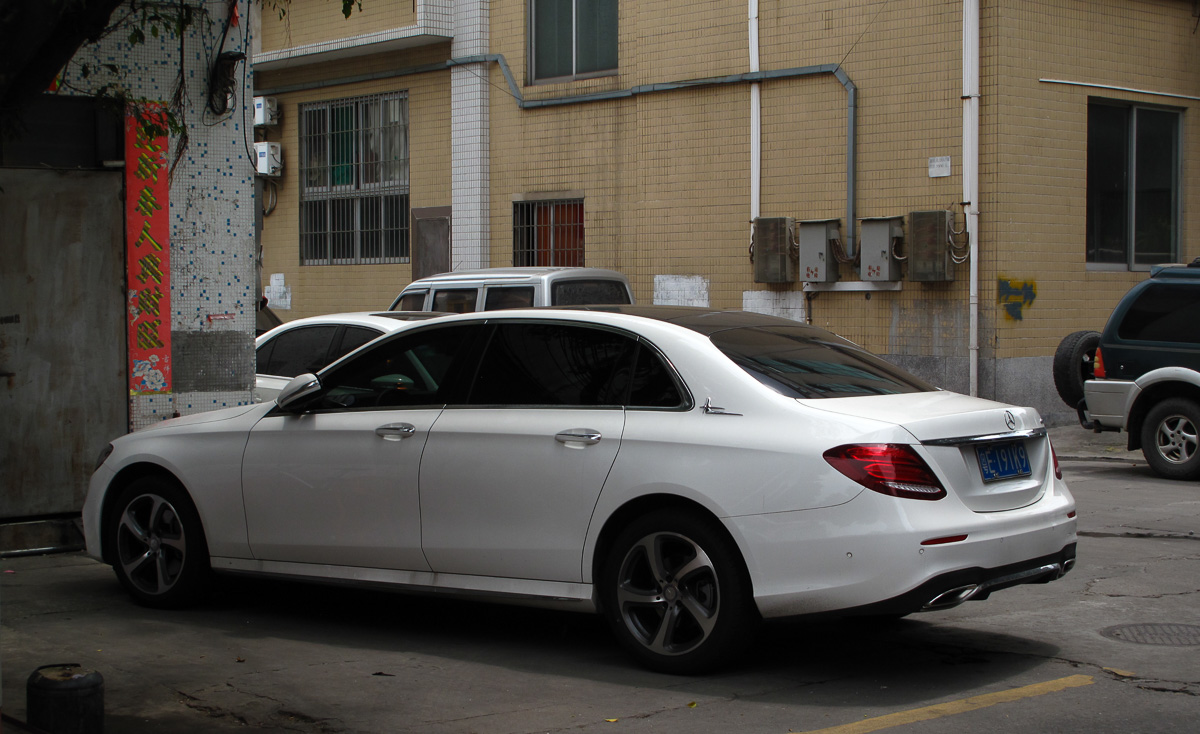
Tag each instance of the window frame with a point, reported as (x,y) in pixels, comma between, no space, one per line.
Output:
(354,210)
(1132,110)
(531,36)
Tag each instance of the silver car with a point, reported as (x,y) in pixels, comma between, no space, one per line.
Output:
(686,472)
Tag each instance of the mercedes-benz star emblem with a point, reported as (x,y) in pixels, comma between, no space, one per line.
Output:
(1010,420)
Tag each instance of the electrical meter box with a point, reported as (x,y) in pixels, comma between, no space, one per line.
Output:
(268,159)
(774,256)
(929,240)
(266,111)
(878,239)
(819,240)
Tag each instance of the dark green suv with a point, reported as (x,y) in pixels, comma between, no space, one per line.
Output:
(1142,373)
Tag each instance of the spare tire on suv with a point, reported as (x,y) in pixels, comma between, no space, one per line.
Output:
(1074,364)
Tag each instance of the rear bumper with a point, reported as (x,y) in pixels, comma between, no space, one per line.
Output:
(972,584)
(879,555)
(1104,403)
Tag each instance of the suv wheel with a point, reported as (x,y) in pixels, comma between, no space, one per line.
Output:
(1170,439)
(1074,364)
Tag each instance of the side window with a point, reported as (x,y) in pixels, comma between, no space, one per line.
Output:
(353,338)
(585,292)
(412,302)
(498,299)
(1164,313)
(551,364)
(651,384)
(298,351)
(455,300)
(410,370)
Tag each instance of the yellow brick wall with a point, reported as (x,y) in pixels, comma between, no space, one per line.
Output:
(334,288)
(1034,149)
(665,176)
(315,21)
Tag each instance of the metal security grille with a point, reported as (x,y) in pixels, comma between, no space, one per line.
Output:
(548,233)
(354,181)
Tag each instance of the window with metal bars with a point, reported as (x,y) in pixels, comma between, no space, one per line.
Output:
(548,233)
(354,181)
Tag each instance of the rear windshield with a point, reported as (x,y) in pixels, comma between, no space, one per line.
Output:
(588,292)
(797,363)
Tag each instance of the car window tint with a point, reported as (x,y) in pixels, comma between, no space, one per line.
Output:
(511,297)
(585,292)
(550,364)
(798,364)
(407,371)
(651,384)
(456,300)
(353,338)
(411,302)
(299,350)
(1164,313)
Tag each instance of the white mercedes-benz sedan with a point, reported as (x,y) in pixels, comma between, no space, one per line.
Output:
(686,472)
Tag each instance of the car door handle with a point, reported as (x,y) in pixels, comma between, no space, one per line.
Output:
(395,431)
(579,435)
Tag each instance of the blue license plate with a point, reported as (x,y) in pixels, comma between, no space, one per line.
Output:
(1003,461)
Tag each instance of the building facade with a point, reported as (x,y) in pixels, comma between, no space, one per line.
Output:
(955,185)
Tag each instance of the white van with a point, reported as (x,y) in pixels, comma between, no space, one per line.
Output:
(492,289)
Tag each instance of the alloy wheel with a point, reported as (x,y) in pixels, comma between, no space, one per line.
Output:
(151,545)
(668,593)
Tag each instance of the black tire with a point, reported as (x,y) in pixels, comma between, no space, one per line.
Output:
(158,549)
(681,625)
(1171,440)
(1074,364)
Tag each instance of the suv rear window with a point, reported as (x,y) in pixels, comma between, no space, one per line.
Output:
(585,292)
(795,363)
(1163,313)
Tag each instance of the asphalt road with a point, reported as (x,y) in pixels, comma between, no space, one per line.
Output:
(1112,647)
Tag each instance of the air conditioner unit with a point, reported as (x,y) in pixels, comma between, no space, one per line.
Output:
(268,159)
(266,111)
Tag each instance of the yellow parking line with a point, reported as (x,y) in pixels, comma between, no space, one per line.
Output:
(960,706)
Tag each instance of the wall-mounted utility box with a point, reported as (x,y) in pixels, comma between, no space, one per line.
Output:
(266,111)
(878,239)
(268,159)
(928,245)
(774,254)
(819,240)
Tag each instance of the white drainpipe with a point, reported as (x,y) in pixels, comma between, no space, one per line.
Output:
(970,175)
(755,122)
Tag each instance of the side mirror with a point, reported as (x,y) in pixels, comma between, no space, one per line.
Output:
(301,387)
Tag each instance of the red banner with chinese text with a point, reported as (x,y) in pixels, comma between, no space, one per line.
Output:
(148,261)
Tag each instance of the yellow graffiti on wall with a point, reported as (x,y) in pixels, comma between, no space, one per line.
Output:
(1014,296)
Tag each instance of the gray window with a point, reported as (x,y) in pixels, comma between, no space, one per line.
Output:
(572,38)
(1132,185)
(548,233)
(354,186)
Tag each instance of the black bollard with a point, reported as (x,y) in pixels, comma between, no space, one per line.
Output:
(65,699)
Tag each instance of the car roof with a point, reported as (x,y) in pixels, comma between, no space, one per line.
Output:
(1190,271)
(385,321)
(704,321)
(515,275)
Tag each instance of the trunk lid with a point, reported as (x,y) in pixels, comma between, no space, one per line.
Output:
(992,456)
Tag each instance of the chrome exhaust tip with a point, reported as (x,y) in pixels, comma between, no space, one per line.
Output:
(951,598)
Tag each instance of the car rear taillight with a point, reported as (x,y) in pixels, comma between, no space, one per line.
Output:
(1098,366)
(888,468)
(1054,455)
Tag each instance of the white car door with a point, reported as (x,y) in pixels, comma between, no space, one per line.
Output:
(337,483)
(509,481)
